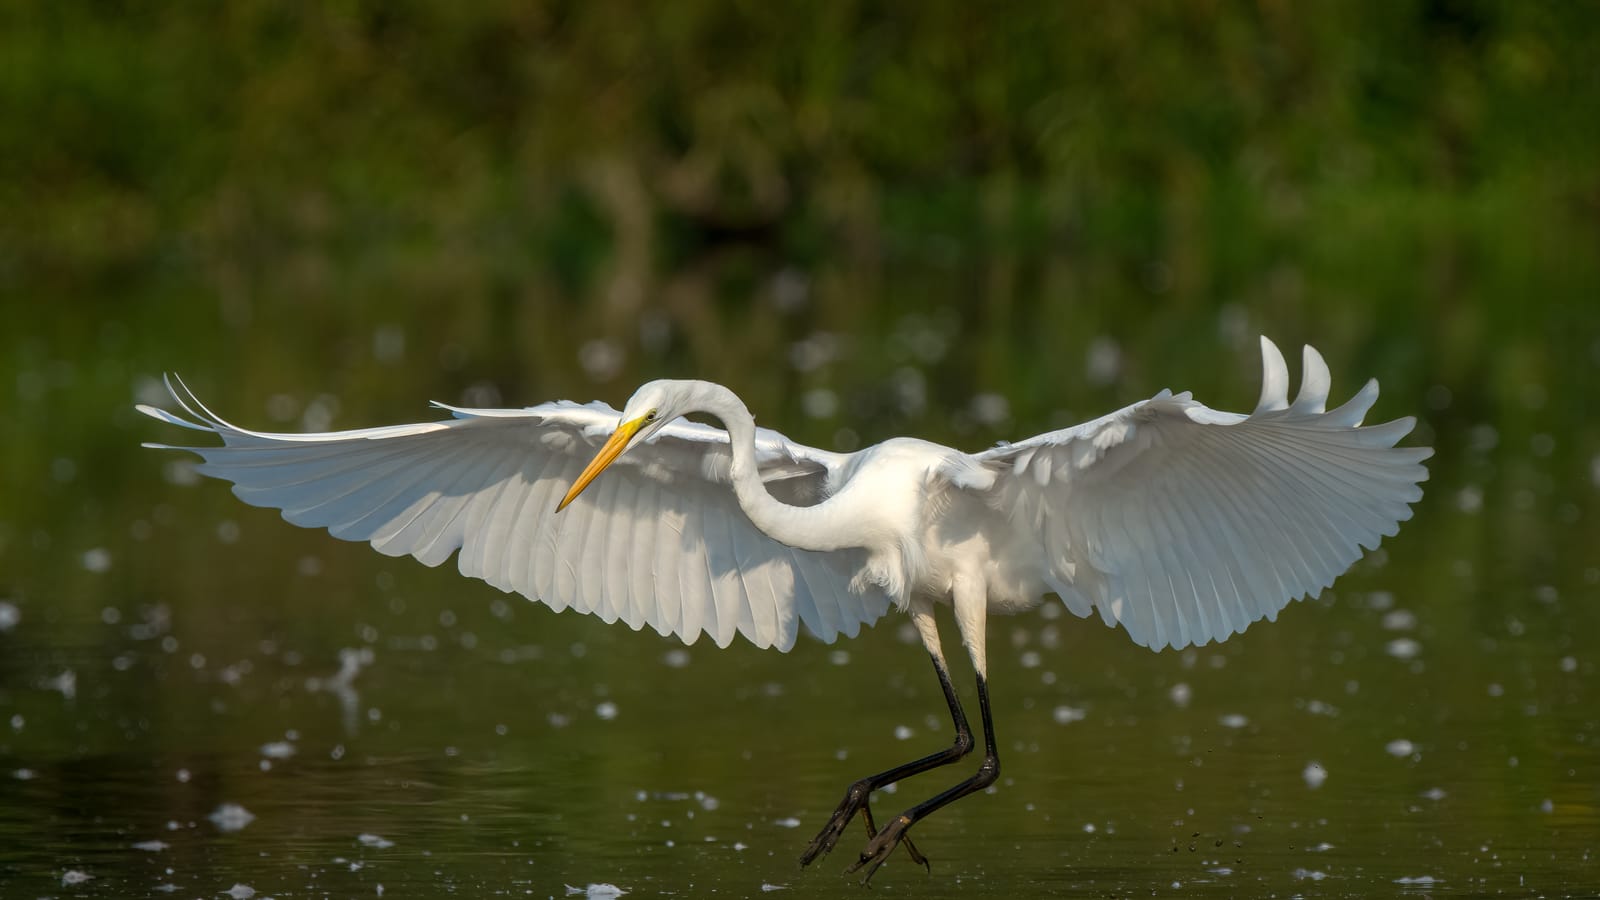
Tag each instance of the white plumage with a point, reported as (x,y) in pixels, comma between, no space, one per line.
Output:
(660,542)
(1185,524)
(1180,523)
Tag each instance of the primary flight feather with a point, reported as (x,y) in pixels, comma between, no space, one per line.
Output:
(1180,523)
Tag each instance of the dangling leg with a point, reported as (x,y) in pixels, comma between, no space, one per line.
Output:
(856,798)
(972,606)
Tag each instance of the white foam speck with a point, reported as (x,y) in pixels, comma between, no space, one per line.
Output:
(73,876)
(277,750)
(372,840)
(1319,708)
(231,817)
(1314,774)
(601,891)
(1180,694)
(1434,794)
(66,683)
(769,888)
(97,560)
(1233,720)
(241,892)
(151,846)
(1308,875)
(1400,620)
(1066,714)
(902,732)
(606,710)
(790,822)
(9,615)
(1417,879)
(1403,648)
(1399,747)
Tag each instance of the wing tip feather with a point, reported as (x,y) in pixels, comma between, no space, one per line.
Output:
(1274,378)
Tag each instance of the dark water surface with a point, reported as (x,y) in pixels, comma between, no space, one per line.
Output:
(197,698)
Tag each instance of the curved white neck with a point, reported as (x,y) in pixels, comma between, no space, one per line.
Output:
(804,527)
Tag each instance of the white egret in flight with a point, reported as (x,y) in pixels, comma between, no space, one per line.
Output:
(1180,523)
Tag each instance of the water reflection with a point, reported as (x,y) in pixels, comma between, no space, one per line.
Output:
(342,684)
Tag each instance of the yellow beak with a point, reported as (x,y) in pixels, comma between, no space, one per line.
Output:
(608,454)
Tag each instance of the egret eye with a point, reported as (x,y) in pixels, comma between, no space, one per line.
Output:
(650,416)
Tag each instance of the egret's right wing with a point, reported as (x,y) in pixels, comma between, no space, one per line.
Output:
(660,540)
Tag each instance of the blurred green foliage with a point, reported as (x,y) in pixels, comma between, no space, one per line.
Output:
(533,139)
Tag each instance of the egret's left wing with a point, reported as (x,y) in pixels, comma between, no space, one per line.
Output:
(660,540)
(1185,524)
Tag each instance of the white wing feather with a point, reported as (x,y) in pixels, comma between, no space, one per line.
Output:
(1185,524)
(659,541)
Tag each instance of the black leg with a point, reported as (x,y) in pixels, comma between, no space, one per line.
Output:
(894,831)
(855,799)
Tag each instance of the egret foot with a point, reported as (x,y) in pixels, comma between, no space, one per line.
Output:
(857,796)
(911,849)
(882,844)
(855,801)
(894,831)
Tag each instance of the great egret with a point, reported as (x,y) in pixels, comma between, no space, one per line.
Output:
(1178,522)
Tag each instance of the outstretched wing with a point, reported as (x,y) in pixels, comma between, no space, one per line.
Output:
(660,540)
(1186,524)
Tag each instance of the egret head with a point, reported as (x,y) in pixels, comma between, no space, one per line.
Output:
(650,408)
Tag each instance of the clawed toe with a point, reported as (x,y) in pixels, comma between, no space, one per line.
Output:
(915,854)
(882,844)
(822,844)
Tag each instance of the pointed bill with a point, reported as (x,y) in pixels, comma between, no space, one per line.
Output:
(612,449)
